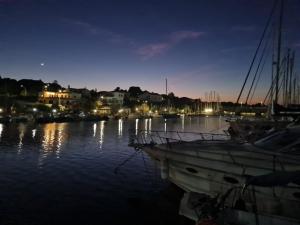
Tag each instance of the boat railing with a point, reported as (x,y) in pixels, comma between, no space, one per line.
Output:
(144,137)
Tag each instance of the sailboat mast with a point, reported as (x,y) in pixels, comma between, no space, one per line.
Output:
(166,86)
(278,53)
(291,78)
(286,80)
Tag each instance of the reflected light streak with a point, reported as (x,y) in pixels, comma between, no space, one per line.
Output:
(1,130)
(53,139)
(136,126)
(33,133)
(22,129)
(101,139)
(146,126)
(150,124)
(95,129)
(120,127)
(165,125)
(60,138)
(49,136)
(182,123)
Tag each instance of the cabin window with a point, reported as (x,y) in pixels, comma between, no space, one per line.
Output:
(278,140)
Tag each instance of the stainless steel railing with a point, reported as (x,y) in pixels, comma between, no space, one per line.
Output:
(144,137)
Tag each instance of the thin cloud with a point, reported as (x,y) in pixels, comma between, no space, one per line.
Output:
(91,29)
(297,45)
(236,49)
(151,50)
(240,28)
(155,49)
(180,36)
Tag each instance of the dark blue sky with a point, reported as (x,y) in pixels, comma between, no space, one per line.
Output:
(198,45)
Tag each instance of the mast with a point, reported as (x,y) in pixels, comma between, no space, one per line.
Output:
(287,79)
(291,77)
(269,112)
(166,86)
(278,54)
(167,97)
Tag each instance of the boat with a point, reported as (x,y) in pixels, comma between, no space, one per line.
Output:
(170,115)
(95,118)
(215,164)
(253,129)
(231,180)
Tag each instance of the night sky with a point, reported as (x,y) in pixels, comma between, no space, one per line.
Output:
(198,45)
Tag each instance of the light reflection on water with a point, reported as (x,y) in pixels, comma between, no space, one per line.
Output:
(150,125)
(95,129)
(33,133)
(1,129)
(120,127)
(101,138)
(22,129)
(51,137)
(54,136)
(60,165)
(136,126)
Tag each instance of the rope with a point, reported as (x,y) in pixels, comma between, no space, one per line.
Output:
(257,49)
(258,66)
(259,76)
(116,170)
(255,206)
(274,79)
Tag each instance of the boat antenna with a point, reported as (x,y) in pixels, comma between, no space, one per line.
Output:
(257,49)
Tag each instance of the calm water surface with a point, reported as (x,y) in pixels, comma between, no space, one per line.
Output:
(65,172)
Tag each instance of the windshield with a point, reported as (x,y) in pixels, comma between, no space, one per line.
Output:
(278,140)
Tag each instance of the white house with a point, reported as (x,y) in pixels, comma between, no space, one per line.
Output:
(113,98)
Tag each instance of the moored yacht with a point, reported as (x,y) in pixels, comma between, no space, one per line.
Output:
(215,164)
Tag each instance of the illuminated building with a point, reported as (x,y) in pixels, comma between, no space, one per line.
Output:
(63,98)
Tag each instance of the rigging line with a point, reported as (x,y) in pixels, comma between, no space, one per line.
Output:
(116,170)
(278,52)
(279,87)
(273,81)
(146,170)
(259,76)
(258,66)
(281,84)
(257,49)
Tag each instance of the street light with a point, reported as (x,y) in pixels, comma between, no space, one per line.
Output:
(59,98)
(34,109)
(54,110)
(1,110)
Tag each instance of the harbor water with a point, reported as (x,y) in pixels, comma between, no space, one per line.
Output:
(81,172)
